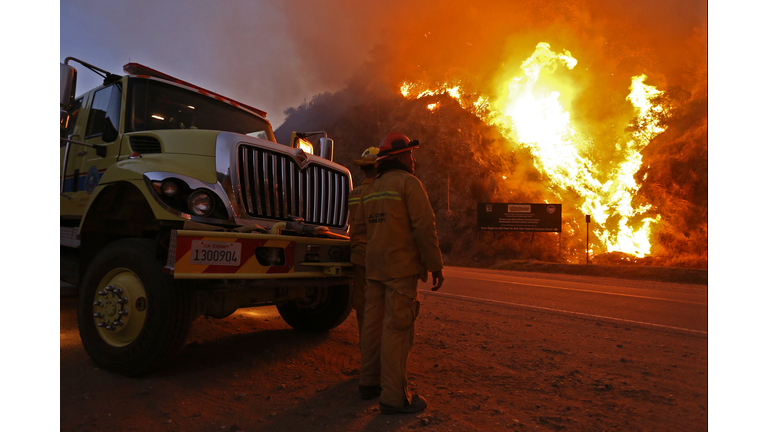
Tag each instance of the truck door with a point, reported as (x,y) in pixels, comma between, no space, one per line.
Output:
(71,161)
(102,128)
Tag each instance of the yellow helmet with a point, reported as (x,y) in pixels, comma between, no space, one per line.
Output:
(368,157)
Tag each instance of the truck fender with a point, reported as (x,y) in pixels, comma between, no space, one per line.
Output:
(103,200)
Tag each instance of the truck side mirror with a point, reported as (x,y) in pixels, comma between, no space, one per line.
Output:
(68,76)
(326,148)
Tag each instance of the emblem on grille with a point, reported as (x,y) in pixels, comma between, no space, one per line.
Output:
(301,158)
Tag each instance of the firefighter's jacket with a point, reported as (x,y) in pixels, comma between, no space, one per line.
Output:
(357,240)
(398,221)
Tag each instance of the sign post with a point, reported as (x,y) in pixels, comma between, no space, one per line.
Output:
(587,239)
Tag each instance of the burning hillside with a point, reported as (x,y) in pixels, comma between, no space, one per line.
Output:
(542,126)
(533,116)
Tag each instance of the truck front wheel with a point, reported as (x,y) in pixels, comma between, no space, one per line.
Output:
(132,317)
(323,309)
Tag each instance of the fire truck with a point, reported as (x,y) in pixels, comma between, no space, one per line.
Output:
(177,202)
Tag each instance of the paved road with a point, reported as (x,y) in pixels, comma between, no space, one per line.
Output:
(660,304)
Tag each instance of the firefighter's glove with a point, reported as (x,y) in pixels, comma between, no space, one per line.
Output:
(437,280)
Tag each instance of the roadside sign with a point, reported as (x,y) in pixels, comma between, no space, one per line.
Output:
(519,217)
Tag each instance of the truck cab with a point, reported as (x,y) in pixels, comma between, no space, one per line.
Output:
(178,202)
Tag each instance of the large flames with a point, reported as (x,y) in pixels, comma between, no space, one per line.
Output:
(529,112)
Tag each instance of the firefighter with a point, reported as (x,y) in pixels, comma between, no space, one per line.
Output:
(398,221)
(367,164)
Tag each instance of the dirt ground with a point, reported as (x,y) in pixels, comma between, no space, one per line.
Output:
(481,367)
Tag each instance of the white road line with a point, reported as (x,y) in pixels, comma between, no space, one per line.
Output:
(581,290)
(482,300)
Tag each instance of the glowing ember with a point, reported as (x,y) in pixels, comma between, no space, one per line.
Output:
(418,91)
(530,113)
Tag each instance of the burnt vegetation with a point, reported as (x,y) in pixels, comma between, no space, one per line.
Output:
(675,180)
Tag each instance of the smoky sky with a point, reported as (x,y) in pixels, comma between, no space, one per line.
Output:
(278,54)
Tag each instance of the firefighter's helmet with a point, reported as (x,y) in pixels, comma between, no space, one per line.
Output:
(368,157)
(395,143)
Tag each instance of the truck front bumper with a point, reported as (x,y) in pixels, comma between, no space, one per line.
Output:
(230,255)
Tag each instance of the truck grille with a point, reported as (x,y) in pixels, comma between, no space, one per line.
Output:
(272,186)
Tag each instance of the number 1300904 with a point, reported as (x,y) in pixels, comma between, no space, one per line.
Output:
(215,253)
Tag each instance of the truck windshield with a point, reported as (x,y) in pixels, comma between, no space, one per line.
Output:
(154,105)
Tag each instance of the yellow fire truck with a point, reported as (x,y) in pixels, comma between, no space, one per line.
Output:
(178,202)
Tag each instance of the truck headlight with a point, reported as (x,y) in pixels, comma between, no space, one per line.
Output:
(169,188)
(201,203)
(188,197)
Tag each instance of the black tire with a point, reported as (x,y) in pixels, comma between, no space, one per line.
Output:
(155,318)
(333,308)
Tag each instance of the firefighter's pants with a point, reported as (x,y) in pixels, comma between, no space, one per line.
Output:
(358,297)
(391,307)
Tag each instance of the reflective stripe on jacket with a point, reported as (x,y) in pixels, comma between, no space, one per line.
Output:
(398,221)
(358,240)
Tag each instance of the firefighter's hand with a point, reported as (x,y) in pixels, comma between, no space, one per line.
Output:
(437,280)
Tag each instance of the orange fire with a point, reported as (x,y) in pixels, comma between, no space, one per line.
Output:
(529,112)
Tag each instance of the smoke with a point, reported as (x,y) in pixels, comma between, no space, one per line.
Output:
(483,43)
(276,54)
(482,46)
(613,38)
(268,54)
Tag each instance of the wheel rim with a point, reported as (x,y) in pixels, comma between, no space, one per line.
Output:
(315,301)
(119,307)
